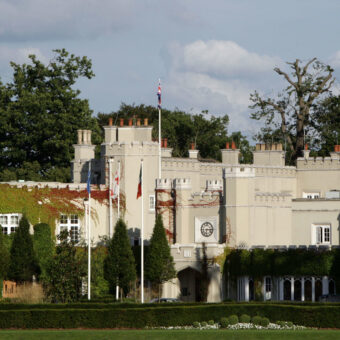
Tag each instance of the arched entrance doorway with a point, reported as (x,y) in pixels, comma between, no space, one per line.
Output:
(190,284)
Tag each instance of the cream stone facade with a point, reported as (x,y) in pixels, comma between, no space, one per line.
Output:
(212,204)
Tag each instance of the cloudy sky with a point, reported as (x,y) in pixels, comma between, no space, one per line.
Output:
(210,55)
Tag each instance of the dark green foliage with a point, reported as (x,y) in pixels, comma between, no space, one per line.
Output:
(259,262)
(224,322)
(256,320)
(211,322)
(159,264)
(43,247)
(205,279)
(40,112)
(264,322)
(139,316)
(196,324)
(4,257)
(233,319)
(22,259)
(204,324)
(63,279)
(120,267)
(207,132)
(245,318)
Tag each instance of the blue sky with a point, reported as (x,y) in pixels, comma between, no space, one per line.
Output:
(210,55)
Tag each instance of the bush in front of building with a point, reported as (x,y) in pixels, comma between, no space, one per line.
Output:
(233,319)
(264,322)
(224,322)
(256,320)
(245,318)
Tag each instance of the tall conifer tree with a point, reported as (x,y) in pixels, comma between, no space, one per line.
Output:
(120,267)
(22,260)
(159,265)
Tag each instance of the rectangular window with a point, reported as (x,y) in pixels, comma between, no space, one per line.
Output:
(9,223)
(321,234)
(152,202)
(311,195)
(71,224)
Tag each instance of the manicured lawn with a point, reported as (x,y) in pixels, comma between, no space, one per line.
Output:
(164,334)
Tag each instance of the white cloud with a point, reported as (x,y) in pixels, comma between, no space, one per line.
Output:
(24,20)
(219,76)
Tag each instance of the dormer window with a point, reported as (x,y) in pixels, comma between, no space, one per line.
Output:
(311,195)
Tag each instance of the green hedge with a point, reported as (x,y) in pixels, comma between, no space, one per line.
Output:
(325,316)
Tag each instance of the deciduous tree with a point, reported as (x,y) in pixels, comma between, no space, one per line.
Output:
(291,111)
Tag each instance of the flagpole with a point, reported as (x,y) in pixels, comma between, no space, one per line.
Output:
(89,242)
(142,244)
(159,132)
(118,215)
(110,197)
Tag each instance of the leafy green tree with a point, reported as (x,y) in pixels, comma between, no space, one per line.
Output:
(120,267)
(206,131)
(22,259)
(64,273)
(43,247)
(242,143)
(4,257)
(292,111)
(40,111)
(159,264)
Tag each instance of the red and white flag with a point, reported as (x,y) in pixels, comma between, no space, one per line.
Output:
(115,190)
(139,189)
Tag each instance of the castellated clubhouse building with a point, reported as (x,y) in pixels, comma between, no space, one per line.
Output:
(264,205)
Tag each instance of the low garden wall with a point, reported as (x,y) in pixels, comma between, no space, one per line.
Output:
(139,316)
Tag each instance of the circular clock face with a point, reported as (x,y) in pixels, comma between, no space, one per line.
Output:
(207,229)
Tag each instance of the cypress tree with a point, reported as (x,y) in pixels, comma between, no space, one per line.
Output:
(120,267)
(22,259)
(159,264)
(43,247)
(4,259)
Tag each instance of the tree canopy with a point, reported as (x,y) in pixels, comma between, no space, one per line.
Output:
(40,112)
(289,116)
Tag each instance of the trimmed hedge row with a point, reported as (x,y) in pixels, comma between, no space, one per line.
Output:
(323,316)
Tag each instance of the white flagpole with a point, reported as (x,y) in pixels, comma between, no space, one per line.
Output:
(142,244)
(89,244)
(118,203)
(110,197)
(118,214)
(159,140)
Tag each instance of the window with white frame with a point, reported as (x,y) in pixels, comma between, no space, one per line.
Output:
(9,223)
(321,234)
(311,195)
(152,202)
(70,223)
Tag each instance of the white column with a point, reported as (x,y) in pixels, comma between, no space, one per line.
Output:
(281,289)
(292,288)
(325,285)
(313,289)
(246,288)
(302,289)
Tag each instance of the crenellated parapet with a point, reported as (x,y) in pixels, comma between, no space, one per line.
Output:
(215,184)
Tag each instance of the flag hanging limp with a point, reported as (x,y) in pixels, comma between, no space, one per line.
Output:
(88,188)
(159,95)
(139,189)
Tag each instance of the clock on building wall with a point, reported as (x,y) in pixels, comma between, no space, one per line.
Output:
(207,229)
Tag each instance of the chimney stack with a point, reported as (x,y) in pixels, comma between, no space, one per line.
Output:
(130,121)
(146,123)
(138,121)
(121,122)
(110,121)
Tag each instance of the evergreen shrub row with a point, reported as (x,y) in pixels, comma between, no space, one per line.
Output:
(323,316)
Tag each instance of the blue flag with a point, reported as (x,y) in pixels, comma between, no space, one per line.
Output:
(89,182)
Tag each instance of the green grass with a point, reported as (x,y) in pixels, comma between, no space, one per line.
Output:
(168,335)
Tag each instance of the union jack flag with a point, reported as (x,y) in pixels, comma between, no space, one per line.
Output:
(159,95)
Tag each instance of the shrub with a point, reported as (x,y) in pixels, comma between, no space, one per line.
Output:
(224,322)
(289,324)
(245,318)
(211,322)
(233,319)
(256,320)
(196,324)
(264,322)
(204,324)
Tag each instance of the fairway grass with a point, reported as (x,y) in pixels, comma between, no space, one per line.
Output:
(168,334)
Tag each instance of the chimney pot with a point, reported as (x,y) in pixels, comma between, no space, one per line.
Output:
(227,145)
(110,121)
(138,121)
(121,121)
(306,146)
(233,146)
(165,142)
(130,121)
(192,146)
(146,123)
